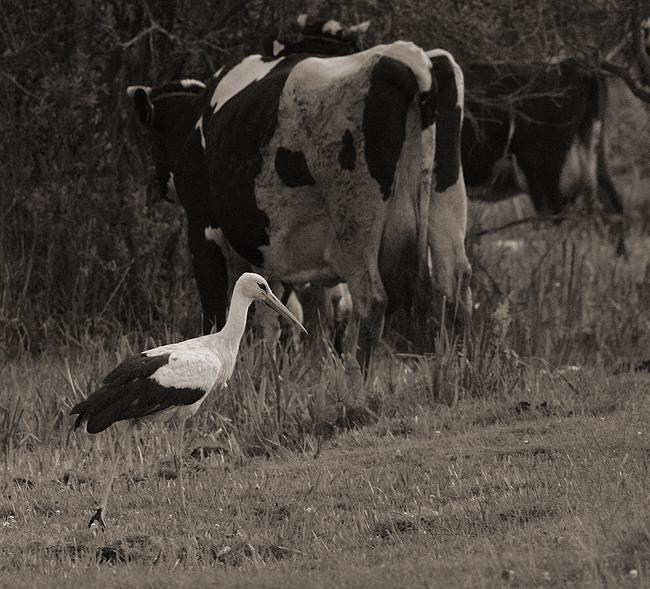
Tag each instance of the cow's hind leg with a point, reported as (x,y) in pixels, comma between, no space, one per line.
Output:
(358,265)
(609,195)
(368,322)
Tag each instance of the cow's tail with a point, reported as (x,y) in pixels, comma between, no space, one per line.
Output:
(447,221)
(419,147)
(428,101)
(407,211)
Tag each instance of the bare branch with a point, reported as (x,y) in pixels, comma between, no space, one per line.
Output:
(638,45)
(636,86)
(525,220)
(135,39)
(165,32)
(211,45)
(19,86)
(155,26)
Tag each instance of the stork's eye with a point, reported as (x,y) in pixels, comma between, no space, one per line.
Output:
(263,287)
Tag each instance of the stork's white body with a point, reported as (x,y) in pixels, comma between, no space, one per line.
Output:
(203,363)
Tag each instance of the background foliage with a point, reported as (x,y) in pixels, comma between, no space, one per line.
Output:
(86,247)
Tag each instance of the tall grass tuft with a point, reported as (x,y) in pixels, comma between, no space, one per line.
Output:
(560,300)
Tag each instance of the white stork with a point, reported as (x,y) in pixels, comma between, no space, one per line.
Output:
(173,380)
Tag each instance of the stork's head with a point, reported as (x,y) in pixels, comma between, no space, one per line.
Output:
(256,288)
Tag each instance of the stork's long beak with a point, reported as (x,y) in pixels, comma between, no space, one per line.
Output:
(270,300)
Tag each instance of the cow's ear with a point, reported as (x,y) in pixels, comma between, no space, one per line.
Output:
(141,102)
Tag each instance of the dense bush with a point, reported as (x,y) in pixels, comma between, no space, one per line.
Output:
(85,244)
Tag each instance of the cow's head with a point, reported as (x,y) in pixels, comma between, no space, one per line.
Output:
(319,36)
(163,110)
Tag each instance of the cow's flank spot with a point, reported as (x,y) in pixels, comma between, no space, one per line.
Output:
(292,169)
(348,154)
(392,88)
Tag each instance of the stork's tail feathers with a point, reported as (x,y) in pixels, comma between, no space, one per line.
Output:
(81,414)
(78,422)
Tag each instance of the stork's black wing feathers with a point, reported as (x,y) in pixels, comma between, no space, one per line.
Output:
(135,367)
(134,400)
(128,392)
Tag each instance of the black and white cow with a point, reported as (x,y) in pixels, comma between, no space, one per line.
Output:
(309,166)
(537,128)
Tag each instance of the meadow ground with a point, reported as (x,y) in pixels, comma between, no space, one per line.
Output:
(521,461)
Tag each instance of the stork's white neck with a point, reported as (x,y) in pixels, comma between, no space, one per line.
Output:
(233,330)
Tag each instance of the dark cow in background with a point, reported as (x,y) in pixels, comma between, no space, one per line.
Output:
(308,166)
(537,128)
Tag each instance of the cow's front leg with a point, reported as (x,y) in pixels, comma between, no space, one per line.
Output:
(210,273)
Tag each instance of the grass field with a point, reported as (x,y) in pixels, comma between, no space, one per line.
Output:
(520,462)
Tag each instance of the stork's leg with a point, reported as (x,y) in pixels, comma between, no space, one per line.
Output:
(178,460)
(101,510)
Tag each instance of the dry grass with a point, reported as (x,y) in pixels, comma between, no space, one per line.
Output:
(520,461)
(558,489)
